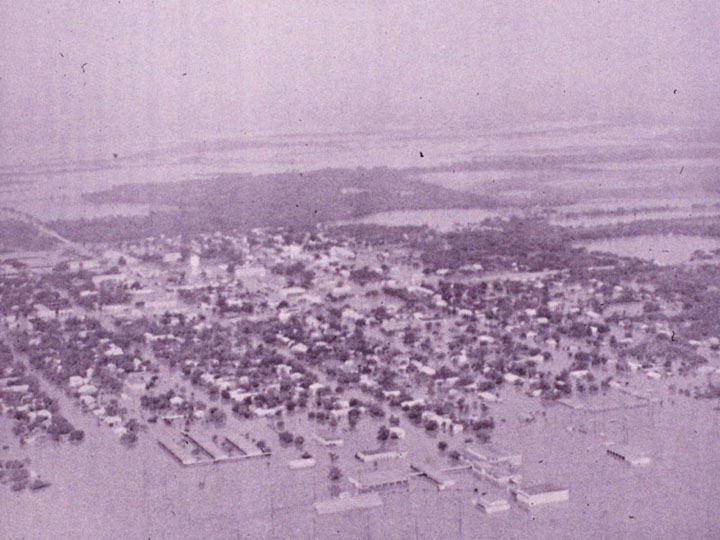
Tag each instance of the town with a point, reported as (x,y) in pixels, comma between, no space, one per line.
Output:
(380,360)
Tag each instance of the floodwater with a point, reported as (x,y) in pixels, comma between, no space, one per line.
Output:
(102,490)
(630,216)
(443,219)
(661,249)
(52,189)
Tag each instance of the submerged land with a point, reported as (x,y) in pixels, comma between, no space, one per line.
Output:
(354,353)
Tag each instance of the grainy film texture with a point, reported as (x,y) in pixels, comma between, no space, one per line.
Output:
(354,270)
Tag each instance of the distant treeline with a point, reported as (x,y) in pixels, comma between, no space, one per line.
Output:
(533,243)
(296,200)
(553,161)
(698,226)
(18,234)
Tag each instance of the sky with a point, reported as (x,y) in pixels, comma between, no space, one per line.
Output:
(83,77)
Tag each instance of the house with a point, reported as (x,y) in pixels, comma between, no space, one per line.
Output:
(540,494)
(161,305)
(380,481)
(342,412)
(116,308)
(411,403)
(114,350)
(262,412)
(102,278)
(240,395)
(328,439)
(172,257)
(176,401)
(87,390)
(43,312)
(372,456)
(292,292)
(65,313)
(75,381)
(301,463)
(489,397)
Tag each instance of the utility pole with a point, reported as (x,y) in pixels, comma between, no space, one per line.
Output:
(414,513)
(272,499)
(458,502)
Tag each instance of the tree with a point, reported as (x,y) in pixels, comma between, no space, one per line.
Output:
(442,446)
(129,438)
(77,435)
(383,433)
(353,417)
(217,416)
(335,474)
(286,437)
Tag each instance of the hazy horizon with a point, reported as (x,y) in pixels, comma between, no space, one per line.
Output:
(81,79)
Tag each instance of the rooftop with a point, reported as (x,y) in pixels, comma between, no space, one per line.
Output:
(537,489)
(382,477)
(344,504)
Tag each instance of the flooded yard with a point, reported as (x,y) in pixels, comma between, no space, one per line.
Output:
(661,249)
(102,490)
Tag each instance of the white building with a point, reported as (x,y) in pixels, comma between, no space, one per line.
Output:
(540,494)
(629,455)
(492,505)
(372,456)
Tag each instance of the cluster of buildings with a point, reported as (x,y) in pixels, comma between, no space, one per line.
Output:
(335,327)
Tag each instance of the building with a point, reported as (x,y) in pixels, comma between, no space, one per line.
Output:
(629,455)
(540,494)
(372,456)
(380,481)
(441,479)
(502,474)
(43,312)
(492,505)
(489,397)
(347,502)
(493,455)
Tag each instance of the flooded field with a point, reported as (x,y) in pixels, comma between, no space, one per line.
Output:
(662,249)
(443,219)
(630,216)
